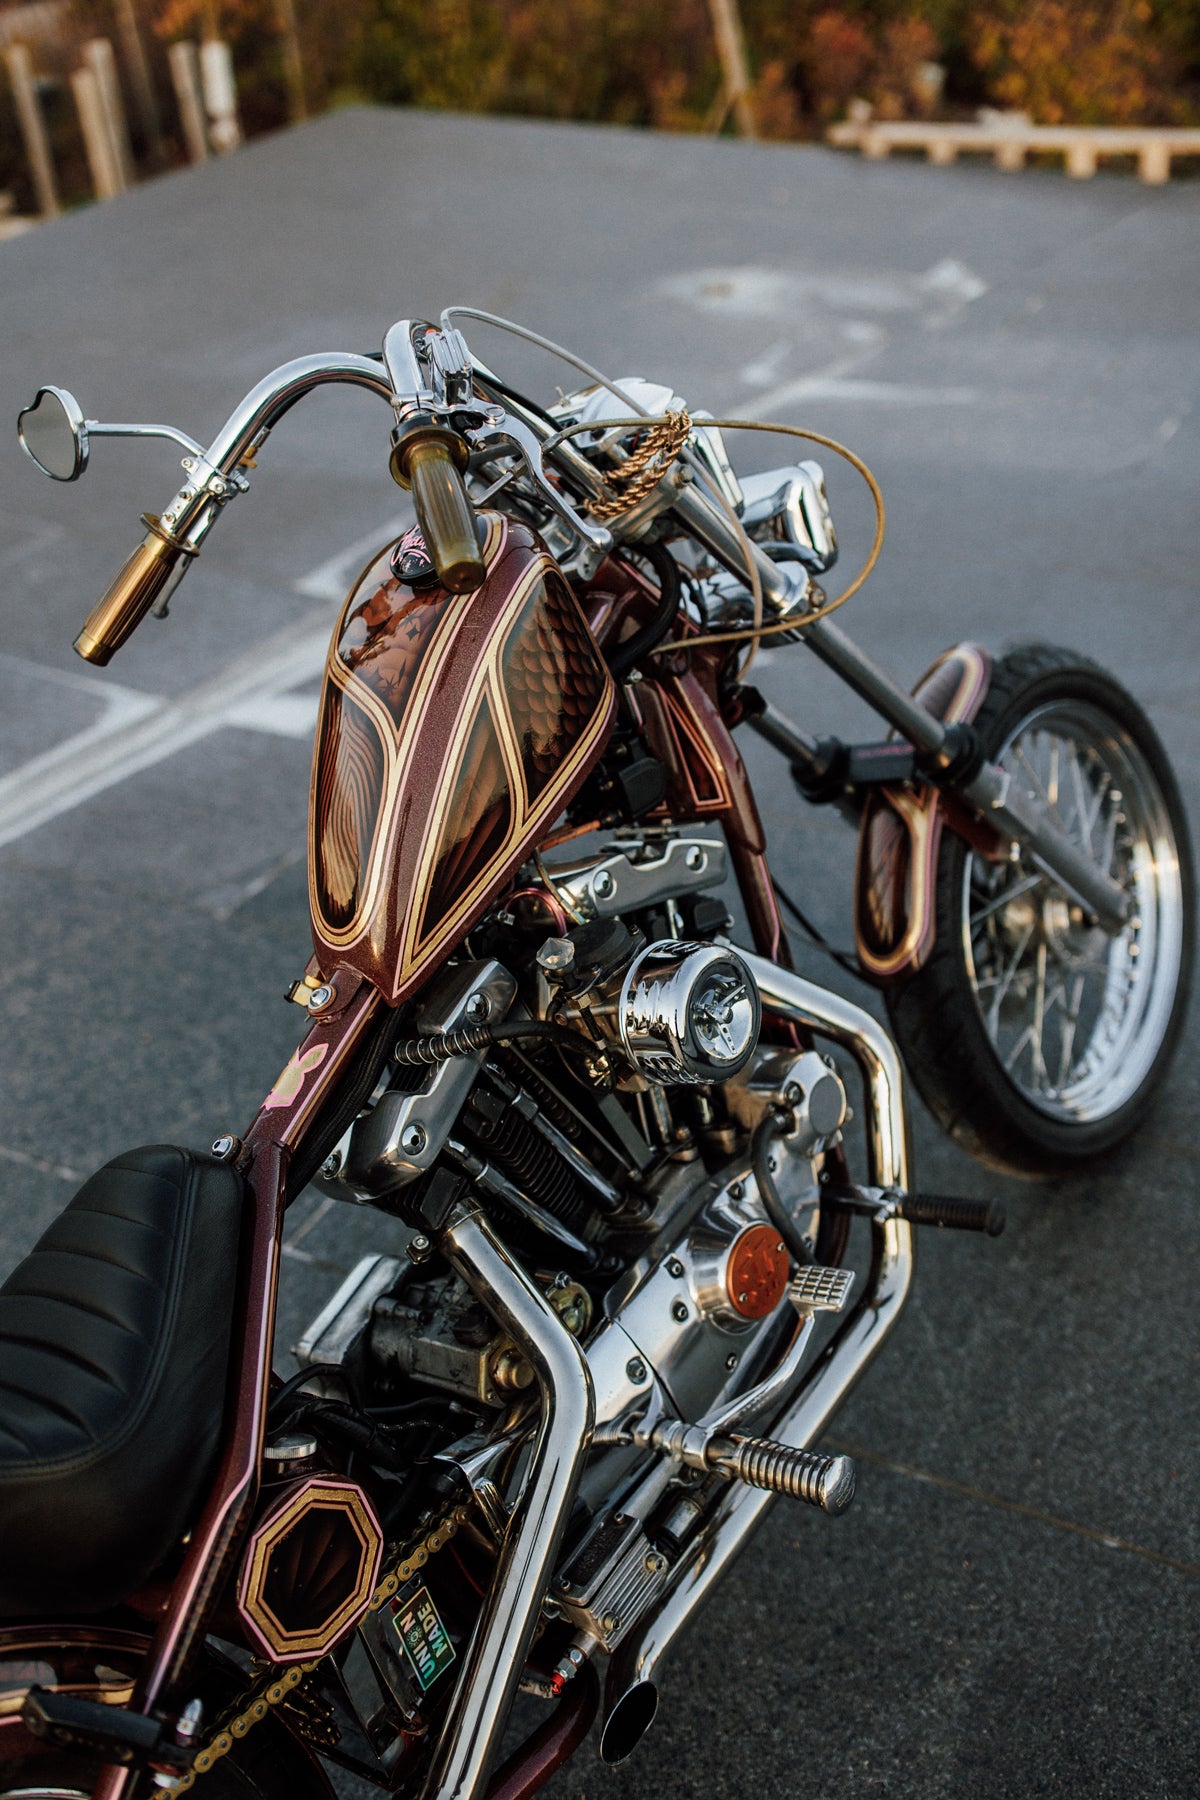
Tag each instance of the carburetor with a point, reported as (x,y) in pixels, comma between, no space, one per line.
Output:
(679,1013)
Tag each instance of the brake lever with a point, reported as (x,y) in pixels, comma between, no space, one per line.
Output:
(510,433)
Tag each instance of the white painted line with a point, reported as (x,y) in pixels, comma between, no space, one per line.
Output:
(882,393)
(282,715)
(92,761)
(140,730)
(331,579)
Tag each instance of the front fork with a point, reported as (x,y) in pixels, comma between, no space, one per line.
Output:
(945,754)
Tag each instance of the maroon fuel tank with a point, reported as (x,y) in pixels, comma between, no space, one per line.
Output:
(453,730)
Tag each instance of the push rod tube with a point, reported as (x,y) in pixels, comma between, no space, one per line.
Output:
(470,1735)
(634,1668)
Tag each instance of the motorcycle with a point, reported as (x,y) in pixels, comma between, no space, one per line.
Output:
(642,1270)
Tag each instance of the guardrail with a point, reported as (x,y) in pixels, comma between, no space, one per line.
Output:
(1011,140)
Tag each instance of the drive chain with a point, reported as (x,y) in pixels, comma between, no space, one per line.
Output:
(276,1683)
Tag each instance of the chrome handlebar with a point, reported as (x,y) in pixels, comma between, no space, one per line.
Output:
(427,373)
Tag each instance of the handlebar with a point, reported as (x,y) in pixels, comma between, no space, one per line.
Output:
(426,458)
(149,575)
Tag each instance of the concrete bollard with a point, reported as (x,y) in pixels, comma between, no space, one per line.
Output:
(220,96)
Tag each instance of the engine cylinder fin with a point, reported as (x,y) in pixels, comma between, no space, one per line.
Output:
(532,1163)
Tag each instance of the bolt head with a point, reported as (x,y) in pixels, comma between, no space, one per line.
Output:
(679,1312)
(479,1008)
(332,1165)
(413,1139)
(611,1621)
(695,859)
(320,997)
(674,1267)
(419,1248)
(731,1362)
(225,1146)
(635,1368)
(603,884)
(736,1190)
(793,1093)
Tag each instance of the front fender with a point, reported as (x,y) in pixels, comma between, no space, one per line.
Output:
(901,830)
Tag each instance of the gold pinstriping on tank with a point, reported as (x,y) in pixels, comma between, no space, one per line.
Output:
(396,746)
(486,681)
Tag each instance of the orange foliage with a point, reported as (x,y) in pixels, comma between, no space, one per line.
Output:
(1065,63)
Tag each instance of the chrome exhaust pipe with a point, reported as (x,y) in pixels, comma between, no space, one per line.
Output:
(470,1734)
(631,1689)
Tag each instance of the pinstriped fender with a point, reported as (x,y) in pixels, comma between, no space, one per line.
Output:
(901,831)
(453,730)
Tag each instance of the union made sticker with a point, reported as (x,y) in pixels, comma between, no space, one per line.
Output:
(423,1636)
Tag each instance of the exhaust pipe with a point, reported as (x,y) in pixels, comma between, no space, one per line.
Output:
(470,1733)
(631,1695)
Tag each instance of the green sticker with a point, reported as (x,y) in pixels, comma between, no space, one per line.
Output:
(423,1636)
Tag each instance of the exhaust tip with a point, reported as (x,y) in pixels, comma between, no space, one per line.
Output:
(628,1722)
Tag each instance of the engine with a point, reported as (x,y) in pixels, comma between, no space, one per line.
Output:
(593,1075)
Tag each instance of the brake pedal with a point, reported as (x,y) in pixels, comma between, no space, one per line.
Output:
(816,1289)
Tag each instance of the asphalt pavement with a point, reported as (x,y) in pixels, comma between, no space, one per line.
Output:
(1011,1606)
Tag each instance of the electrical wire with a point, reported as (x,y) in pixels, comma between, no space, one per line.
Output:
(845,959)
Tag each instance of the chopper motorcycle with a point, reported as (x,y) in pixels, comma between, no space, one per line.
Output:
(640,1272)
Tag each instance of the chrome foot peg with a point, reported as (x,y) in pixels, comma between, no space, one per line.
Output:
(816,1290)
(824,1481)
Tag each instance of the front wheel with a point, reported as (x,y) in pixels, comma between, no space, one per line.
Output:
(1034,1038)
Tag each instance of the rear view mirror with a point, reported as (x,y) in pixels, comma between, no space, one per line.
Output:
(54,434)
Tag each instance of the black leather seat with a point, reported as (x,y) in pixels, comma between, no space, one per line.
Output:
(114,1359)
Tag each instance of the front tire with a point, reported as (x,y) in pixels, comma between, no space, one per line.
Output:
(1034,1039)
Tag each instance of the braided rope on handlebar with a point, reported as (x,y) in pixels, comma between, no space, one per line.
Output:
(749,633)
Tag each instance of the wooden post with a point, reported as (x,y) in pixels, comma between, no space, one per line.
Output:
(33,128)
(293,62)
(99,58)
(185,76)
(138,70)
(731,49)
(97,139)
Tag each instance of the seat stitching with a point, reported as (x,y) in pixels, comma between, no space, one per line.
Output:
(79,1305)
(60,1350)
(45,1400)
(152,1381)
(92,1256)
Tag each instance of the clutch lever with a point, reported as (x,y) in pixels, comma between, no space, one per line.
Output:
(509,435)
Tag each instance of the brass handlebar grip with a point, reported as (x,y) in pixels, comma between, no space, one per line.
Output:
(149,573)
(424,460)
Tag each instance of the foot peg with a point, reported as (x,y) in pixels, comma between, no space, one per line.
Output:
(824,1481)
(921,1209)
(961,1215)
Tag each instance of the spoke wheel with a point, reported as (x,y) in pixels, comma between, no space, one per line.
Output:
(1036,1038)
